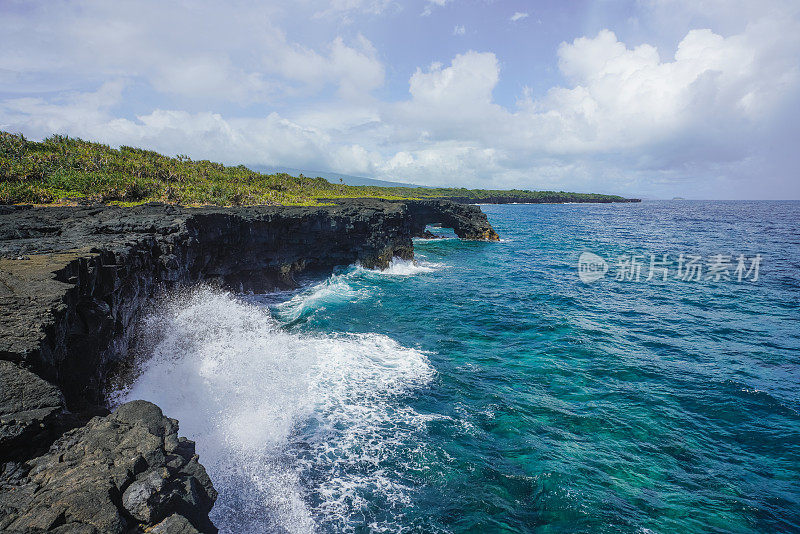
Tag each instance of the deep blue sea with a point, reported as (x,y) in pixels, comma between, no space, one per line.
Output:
(487,388)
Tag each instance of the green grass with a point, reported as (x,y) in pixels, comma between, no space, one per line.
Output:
(62,170)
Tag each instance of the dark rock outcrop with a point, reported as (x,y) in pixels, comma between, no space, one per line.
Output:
(120,473)
(73,282)
(29,410)
(467,221)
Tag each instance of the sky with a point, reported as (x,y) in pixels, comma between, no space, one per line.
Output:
(648,98)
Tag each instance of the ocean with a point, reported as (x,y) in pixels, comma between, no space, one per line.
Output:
(602,368)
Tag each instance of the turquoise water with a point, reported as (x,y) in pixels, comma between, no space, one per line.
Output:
(488,389)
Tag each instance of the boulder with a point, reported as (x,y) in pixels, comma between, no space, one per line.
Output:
(174,524)
(124,472)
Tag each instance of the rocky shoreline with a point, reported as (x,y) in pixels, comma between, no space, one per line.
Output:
(73,284)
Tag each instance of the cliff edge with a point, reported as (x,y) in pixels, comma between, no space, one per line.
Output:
(73,284)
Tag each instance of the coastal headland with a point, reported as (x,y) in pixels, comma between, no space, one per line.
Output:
(74,281)
(89,235)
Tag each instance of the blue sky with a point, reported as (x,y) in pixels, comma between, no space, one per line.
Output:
(655,98)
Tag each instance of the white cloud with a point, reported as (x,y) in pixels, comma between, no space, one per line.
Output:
(345,7)
(518,16)
(626,97)
(628,113)
(449,163)
(468,81)
(74,113)
(431,4)
(272,140)
(212,51)
(459,30)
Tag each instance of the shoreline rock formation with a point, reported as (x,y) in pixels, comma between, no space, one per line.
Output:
(127,469)
(73,284)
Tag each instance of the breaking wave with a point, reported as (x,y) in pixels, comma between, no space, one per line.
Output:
(296,430)
(400,267)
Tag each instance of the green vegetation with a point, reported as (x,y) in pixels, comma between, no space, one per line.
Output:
(66,170)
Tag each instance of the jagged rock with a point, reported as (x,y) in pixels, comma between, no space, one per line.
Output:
(427,234)
(29,408)
(119,473)
(174,524)
(74,281)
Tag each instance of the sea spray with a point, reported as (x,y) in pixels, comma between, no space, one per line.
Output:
(295,430)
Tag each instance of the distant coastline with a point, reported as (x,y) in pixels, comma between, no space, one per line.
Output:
(547,197)
(61,170)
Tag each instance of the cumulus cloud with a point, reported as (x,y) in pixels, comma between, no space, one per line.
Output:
(468,81)
(354,69)
(518,16)
(627,111)
(272,140)
(68,112)
(629,97)
(717,109)
(459,30)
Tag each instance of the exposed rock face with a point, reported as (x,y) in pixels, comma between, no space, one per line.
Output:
(119,473)
(73,282)
(467,221)
(72,326)
(29,409)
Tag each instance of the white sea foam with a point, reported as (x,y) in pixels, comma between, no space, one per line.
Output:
(399,267)
(294,430)
(435,239)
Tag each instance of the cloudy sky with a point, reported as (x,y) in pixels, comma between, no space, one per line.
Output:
(655,98)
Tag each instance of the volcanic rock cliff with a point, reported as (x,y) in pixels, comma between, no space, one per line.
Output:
(73,284)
